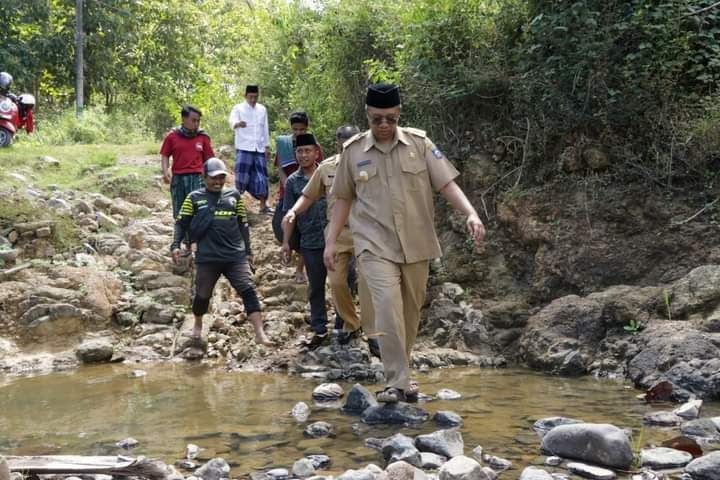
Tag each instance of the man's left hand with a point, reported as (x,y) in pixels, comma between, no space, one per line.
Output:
(476,228)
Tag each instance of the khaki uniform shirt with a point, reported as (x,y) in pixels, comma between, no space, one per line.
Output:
(391,189)
(319,186)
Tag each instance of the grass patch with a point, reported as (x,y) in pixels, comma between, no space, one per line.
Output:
(65,234)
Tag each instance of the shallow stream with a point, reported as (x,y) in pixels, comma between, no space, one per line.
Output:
(244,417)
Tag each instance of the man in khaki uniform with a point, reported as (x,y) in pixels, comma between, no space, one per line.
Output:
(318,187)
(384,183)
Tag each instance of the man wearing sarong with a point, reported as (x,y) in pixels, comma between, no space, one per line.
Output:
(252,147)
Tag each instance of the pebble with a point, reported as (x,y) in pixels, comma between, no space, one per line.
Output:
(447,394)
(588,471)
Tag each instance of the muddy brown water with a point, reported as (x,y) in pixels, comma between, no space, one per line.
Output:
(244,417)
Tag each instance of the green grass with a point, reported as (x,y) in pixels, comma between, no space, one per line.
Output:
(79,165)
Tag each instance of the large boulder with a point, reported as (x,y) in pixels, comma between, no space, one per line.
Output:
(394,414)
(95,350)
(706,467)
(448,443)
(400,447)
(662,458)
(600,444)
(697,291)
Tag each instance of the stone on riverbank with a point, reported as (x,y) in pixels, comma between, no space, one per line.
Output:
(402,471)
(303,468)
(544,425)
(95,350)
(705,428)
(448,443)
(328,392)
(215,469)
(394,414)
(534,473)
(448,394)
(447,418)
(600,444)
(462,468)
(400,447)
(664,458)
(319,430)
(359,399)
(589,471)
(431,461)
(300,412)
(662,419)
(689,410)
(705,468)
(496,463)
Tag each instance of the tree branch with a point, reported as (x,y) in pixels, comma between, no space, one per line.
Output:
(702,10)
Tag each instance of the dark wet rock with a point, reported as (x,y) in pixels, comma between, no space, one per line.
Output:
(319,430)
(95,350)
(319,461)
(689,410)
(599,444)
(662,419)
(448,394)
(128,443)
(400,447)
(303,468)
(462,468)
(534,473)
(374,443)
(544,425)
(403,471)
(431,461)
(708,428)
(328,392)
(589,471)
(705,468)
(278,474)
(394,414)
(300,412)
(663,458)
(215,469)
(448,443)
(359,399)
(447,418)
(496,463)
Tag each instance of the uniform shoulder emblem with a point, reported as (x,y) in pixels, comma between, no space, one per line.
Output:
(354,139)
(416,131)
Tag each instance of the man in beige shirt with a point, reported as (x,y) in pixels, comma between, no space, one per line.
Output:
(384,183)
(318,187)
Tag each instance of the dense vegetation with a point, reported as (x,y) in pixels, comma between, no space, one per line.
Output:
(528,79)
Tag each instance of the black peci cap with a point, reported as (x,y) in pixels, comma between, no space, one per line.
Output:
(252,89)
(305,139)
(383,95)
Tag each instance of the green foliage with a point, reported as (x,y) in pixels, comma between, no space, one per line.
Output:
(633,326)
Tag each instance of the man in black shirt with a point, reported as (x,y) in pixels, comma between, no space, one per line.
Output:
(216,220)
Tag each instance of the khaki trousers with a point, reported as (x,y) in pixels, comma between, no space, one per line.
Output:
(343,298)
(398,293)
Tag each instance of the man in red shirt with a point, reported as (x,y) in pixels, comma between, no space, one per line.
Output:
(189,147)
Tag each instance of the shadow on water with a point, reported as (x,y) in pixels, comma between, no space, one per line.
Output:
(244,417)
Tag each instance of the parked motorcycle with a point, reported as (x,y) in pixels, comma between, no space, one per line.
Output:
(16,112)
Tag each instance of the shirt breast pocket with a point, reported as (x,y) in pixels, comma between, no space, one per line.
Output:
(367,180)
(414,173)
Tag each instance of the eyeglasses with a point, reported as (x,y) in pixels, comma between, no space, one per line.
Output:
(378,119)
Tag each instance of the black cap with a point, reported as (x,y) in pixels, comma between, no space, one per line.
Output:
(383,95)
(214,167)
(305,139)
(252,89)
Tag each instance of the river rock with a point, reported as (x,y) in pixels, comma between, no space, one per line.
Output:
(301,411)
(303,468)
(706,428)
(662,419)
(431,461)
(448,394)
(544,425)
(448,443)
(359,399)
(215,469)
(278,474)
(319,461)
(706,467)
(496,463)
(319,430)
(95,350)
(600,444)
(128,443)
(664,458)
(447,418)
(402,471)
(646,474)
(394,414)
(689,410)
(327,392)
(364,474)
(589,471)
(400,447)
(534,473)
(462,468)
(192,451)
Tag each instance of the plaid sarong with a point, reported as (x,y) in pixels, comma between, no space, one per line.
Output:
(181,186)
(251,173)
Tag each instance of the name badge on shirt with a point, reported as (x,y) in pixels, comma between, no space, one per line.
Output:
(438,154)
(364,162)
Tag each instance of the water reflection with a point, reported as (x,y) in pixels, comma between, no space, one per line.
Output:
(245,417)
